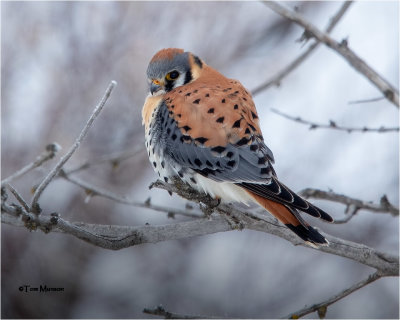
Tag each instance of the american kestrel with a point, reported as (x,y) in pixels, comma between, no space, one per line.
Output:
(203,128)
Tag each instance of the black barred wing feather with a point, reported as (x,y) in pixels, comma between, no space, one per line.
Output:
(248,165)
(234,163)
(278,192)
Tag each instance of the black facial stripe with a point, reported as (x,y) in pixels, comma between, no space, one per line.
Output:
(188,77)
(198,61)
(169,85)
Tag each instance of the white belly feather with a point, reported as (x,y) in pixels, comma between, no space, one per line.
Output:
(226,191)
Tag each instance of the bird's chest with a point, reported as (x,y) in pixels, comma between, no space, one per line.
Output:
(158,139)
(159,133)
(156,151)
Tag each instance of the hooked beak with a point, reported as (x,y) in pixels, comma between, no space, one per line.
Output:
(154,87)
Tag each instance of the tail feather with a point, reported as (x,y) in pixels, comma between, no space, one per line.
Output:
(278,192)
(292,219)
(309,235)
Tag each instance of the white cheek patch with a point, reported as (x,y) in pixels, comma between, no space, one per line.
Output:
(180,81)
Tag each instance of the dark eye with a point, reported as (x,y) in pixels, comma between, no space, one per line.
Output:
(172,75)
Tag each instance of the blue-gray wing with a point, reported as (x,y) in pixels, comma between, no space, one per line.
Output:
(248,160)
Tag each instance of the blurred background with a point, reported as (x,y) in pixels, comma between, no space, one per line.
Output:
(57,60)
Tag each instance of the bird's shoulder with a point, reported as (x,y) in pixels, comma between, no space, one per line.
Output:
(214,109)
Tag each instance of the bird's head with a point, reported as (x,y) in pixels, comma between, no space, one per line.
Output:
(172,68)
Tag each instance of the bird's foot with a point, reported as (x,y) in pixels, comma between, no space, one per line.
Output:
(209,204)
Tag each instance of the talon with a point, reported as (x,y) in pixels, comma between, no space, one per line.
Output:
(214,203)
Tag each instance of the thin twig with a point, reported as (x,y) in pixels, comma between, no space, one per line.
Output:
(277,78)
(321,307)
(50,152)
(350,212)
(18,196)
(366,100)
(383,207)
(114,159)
(161,312)
(333,125)
(75,146)
(342,49)
(92,191)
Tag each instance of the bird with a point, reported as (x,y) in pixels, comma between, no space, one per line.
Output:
(203,128)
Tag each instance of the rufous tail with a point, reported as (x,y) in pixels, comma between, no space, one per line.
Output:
(291,218)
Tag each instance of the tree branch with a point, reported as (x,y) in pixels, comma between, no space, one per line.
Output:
(17,196)
(350,212)
(321,307)
(34,204)
(229,218)
(114,159)
(93,191)
(161,312)
(383,207)
(341,48)
(268,224)
(277,78)
(333,125)
(113,237)
(51,150)
(366,100)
